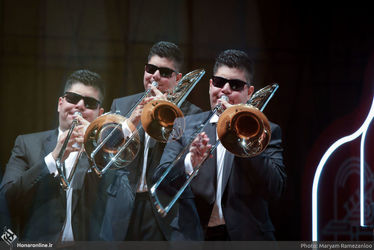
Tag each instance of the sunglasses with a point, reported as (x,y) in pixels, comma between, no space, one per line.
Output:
(235,84)
(74,98)
(164,72)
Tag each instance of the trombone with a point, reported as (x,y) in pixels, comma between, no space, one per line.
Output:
(109,145)
(158,116)
(242,129)
(65,182)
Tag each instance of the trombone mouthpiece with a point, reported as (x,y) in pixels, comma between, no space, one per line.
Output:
(224,98)
(77,113)
(154,83)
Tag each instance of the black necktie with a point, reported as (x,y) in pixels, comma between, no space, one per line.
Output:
(63,169)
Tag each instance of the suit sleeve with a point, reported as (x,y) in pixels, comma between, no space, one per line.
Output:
(20,176)
(267,170)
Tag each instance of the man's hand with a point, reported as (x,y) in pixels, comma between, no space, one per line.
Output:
(224,105)
(75,142)
(157,94)
(200,148)
(137,113)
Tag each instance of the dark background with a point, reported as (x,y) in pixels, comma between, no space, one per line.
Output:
(318,52)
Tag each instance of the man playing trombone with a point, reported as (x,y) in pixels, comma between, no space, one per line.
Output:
(231,192)
(125,208)
(41,209)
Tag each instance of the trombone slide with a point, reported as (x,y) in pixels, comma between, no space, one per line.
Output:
(59,164)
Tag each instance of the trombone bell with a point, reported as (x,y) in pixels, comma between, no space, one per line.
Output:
(108,129)
(158,117)
(244,130)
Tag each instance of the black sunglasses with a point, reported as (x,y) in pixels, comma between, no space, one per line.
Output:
(164,72)
(74,98)
(235,84)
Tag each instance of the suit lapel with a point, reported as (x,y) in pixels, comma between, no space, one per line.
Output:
(78,179)
(141,133)
(152,148)
(50,142)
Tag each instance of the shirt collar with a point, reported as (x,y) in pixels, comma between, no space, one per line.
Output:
(214,119)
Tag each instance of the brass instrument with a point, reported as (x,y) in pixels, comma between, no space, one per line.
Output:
(243,129)
(106,143)
(112,141)
(65,182)
(158,116)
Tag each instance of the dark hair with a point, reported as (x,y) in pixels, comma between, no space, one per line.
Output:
(235,59)
(88,78)
(168,50)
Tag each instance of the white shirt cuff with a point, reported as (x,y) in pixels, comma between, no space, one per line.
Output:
(51,164)
(188,164)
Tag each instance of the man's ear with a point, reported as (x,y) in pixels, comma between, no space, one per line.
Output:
(101,111)
(251,89)
(179,76)
(59,103)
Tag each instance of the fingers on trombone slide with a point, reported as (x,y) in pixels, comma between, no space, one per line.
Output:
(74,143)
(225,104)
(81,129)
(200,148)
(137,113)
(157,93)
(81,120)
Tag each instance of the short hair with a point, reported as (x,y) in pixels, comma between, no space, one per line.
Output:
(168,50)
(88,78)
(235,59)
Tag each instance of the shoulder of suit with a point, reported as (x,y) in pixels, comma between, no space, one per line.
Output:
(40,134)
(275,128)
(128,98)
(33,137)
(272,124)
(123,104)
(189,108)
(197,116)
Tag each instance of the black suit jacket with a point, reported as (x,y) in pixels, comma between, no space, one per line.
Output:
(36,201)
(247,183)
(118,189)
